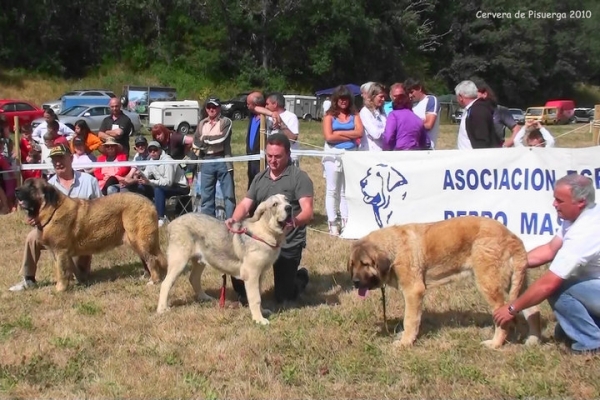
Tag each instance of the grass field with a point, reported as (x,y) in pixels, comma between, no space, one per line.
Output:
(105,340)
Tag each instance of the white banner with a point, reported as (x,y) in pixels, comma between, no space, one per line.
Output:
(514,186)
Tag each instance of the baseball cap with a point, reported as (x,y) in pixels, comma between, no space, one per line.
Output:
(60,150)
(140,140)
(77,140)
(214,101)
(154,143)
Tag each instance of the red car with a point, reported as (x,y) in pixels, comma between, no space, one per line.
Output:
(25,110)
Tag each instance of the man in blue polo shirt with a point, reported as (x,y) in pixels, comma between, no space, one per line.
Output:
(74,184)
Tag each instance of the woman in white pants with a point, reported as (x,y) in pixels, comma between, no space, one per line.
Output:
(342,129)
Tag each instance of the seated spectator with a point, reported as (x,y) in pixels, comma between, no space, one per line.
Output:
(9,145)
(61,129)
(30,153)
(110,178)
(91,141)
(80,156)
(404,130)
(131,181)
(8,179)
(34,156)
(167,180)
(535,135)
(178,146)
(4,209)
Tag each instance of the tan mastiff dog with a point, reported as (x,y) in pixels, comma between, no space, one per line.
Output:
(76,227)
(413,257)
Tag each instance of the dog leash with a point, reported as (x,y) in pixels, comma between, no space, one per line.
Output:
(223,289)
(385,324)
(246,232)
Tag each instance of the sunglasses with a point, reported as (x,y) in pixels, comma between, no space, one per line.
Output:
(211,107)
(152,149)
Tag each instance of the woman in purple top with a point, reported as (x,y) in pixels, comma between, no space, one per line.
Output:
(404,130)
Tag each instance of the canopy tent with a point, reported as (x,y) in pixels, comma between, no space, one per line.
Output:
(354,89)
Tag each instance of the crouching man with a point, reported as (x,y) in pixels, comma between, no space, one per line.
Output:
(281,177)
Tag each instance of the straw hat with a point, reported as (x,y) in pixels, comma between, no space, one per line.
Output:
(110,142)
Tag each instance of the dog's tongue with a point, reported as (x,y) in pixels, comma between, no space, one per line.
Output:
(362,292)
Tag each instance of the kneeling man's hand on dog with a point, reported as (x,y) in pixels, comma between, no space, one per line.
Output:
(229,223)
(502,316)
(32,221)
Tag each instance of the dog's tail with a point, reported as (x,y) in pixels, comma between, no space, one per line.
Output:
(518,267)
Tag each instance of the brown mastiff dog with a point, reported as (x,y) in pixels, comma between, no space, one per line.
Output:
(73,227)
(413,257)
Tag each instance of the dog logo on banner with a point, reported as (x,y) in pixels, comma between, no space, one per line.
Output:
(378,187)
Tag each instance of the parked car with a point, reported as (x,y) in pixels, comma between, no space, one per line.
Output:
(518,115)
(26,111)
(457,116)
(56,105)
(93,115)
(583,115)
(235,108)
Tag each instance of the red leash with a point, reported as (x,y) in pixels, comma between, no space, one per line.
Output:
(222,295)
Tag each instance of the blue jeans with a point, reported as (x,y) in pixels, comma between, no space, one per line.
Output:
(162,193)
(112,189)
(209,175)
(576,305)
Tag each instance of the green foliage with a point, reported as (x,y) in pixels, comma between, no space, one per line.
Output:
(306,45)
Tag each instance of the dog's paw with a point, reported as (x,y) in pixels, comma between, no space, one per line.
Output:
(266,312)
(262,321)
(533,341)
(403,342)
(490,344)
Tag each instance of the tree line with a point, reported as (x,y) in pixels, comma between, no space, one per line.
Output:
(315,44)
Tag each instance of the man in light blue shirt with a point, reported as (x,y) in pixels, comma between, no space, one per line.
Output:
(74,184)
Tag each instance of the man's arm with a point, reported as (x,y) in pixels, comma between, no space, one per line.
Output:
(306,211)
(545,253)
(290,128)
(431,112)
(539,291)
(241,211)
(104,132)
(517,140)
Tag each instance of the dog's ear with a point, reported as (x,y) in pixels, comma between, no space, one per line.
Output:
(383,261)
(395,179)
(260,210)
(51,195)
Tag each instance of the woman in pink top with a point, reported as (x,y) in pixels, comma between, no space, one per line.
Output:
(110,178)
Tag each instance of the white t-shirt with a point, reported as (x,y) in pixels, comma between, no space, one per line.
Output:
(291,121)
(579,255)
(326,106)
(374,124)
(40,130)
(548,138)
(82,159)
(429,105)
(463,141)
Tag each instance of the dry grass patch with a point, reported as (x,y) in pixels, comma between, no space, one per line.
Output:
(105,340)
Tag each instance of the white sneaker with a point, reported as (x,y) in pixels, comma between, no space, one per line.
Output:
(23,285)
(333,229)
(161,222)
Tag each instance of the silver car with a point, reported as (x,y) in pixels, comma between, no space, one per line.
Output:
(93,115)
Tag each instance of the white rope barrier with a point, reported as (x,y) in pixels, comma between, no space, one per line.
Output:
(131,163)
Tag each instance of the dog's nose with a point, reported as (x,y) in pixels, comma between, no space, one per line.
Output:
(356,283)
(288,209)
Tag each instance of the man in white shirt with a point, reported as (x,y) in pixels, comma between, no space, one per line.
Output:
(535,135)
(427,108)
(282,121)
(572,283)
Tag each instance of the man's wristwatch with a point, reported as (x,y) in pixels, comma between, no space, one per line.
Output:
(511,310)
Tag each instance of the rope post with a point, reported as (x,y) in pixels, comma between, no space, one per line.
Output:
(17,150)
(596,125)
(263,134)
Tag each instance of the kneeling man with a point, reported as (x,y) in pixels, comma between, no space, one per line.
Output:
(572,284)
